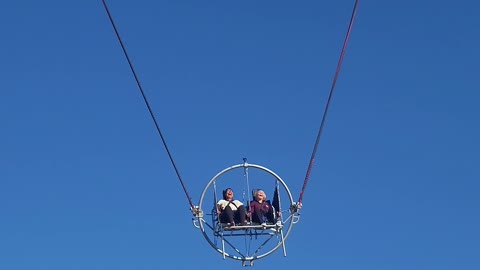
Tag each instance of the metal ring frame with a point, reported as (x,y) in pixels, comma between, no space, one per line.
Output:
(291,219)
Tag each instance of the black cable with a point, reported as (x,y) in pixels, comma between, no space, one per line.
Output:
(147,103)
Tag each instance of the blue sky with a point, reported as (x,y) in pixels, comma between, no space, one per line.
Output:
(85,182)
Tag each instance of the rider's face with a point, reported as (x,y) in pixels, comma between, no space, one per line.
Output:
(261,195)
(229,194)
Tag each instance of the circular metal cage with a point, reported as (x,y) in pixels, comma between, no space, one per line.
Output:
(252,241)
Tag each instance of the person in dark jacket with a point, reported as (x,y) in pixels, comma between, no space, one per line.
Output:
(261,211)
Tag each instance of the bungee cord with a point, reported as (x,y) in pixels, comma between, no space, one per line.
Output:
(335,77)
(147,104)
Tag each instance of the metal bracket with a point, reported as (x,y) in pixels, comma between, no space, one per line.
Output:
(244,263)
(197,212)
(195,223)
(294,208)
(245,163)
(295,218)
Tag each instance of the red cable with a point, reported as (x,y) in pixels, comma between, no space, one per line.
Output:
(339,65)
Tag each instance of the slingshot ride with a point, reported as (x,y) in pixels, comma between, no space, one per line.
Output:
(251,241)
(254,240)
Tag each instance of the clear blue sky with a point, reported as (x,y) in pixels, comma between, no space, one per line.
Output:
(85,182)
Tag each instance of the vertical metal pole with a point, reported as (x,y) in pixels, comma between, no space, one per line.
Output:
(283,245)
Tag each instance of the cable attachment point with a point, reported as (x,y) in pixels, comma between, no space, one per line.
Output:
(197,212)
(294,208)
